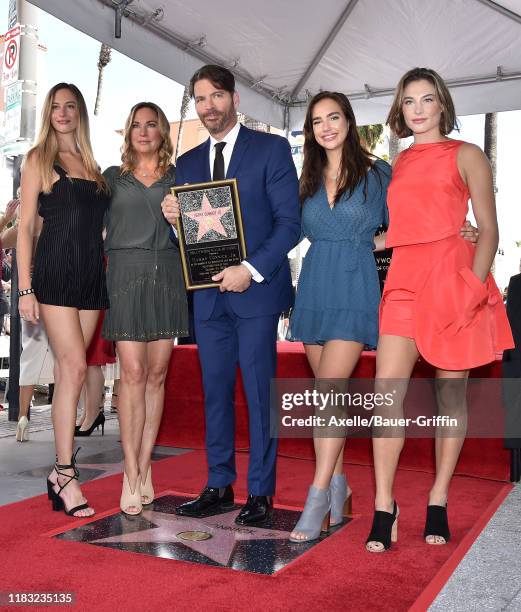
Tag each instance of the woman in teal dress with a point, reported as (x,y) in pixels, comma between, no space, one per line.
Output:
(343,190)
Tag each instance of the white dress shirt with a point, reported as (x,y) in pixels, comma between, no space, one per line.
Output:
(230,139)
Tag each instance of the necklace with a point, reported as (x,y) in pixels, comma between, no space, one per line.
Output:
(146,174)
(333,177)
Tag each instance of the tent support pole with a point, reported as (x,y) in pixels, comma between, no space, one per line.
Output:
(325,46)
(195,50)
(501,10)
(118,16)
(371,92)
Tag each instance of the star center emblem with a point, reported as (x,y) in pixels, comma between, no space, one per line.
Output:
(208,218)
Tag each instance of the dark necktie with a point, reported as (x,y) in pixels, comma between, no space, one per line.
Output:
(218,162)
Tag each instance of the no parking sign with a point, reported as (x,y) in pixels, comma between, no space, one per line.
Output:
(11,58)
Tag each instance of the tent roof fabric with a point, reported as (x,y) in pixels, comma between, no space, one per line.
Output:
(283,52)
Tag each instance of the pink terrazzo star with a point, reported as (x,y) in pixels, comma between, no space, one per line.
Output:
(222,529)
(208,218)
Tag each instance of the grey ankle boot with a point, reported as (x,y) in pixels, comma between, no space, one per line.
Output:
(340,495)
(315,517)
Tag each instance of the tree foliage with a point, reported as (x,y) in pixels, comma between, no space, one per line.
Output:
(370,135)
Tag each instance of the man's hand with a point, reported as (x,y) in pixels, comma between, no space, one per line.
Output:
(233,278)
(170,208)
(469,232)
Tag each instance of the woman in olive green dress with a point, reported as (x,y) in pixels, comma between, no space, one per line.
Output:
(146,291)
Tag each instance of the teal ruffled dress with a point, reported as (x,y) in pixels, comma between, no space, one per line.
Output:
(338,291)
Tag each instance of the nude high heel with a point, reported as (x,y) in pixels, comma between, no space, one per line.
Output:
(22,429)
(147,490)
(130,499)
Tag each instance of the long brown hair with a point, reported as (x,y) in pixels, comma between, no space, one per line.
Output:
(46,144)
(396,120)
(356,160)
(166,149)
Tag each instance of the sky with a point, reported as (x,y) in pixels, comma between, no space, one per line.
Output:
(72,57)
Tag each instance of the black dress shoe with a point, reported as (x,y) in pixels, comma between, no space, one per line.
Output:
(256,510)
(211,501)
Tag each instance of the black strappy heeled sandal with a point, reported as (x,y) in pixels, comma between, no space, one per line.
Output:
(384,529)
(57,502)
(436,524)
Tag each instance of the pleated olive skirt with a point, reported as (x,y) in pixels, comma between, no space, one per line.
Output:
(147,296)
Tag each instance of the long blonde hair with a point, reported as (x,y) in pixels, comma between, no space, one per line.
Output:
(166,149)
(46,144)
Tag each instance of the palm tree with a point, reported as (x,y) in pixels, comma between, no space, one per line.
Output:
(394,146)
(370,135)
(491,152)
(185,102)
(104,59)
(491,143)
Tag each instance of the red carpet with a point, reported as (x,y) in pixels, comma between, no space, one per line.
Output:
(336,575)
(183,417)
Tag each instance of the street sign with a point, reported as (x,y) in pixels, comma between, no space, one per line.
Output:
(13,112)
(11,59)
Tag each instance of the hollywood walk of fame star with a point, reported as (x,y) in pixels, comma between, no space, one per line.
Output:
(107,469)
(222,529)
(208,218)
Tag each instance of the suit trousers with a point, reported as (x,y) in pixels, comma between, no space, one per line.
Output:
(225,340)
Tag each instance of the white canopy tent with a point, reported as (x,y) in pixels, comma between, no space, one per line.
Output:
(283,52)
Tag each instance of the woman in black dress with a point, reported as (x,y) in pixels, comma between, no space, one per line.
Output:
(62,183)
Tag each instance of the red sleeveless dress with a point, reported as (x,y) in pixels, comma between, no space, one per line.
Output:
(100,351)
(431,293)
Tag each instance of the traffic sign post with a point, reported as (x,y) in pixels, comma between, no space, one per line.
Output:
(13,112)
(11,58)
(20,80)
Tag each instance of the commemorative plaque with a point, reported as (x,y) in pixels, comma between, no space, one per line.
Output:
(209,230)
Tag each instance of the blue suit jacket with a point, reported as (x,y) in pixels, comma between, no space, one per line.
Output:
(268,193)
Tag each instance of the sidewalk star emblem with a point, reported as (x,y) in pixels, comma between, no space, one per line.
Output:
(223,532)
(208,218)
(212,541)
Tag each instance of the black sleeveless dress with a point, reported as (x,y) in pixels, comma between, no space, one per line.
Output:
(68,263)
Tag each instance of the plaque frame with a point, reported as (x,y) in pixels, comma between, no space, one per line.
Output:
(187,250)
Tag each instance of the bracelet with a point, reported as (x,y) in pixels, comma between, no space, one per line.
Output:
(25,292)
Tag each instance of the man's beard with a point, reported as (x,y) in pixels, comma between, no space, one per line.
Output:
(216,127)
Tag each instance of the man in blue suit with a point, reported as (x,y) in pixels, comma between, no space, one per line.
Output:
(237,322)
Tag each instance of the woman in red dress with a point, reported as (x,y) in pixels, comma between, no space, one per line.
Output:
(99,353)
(440,300)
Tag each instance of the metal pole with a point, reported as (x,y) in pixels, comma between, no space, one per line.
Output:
(14,337)
(28,74)
(515,465)
(27,16)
